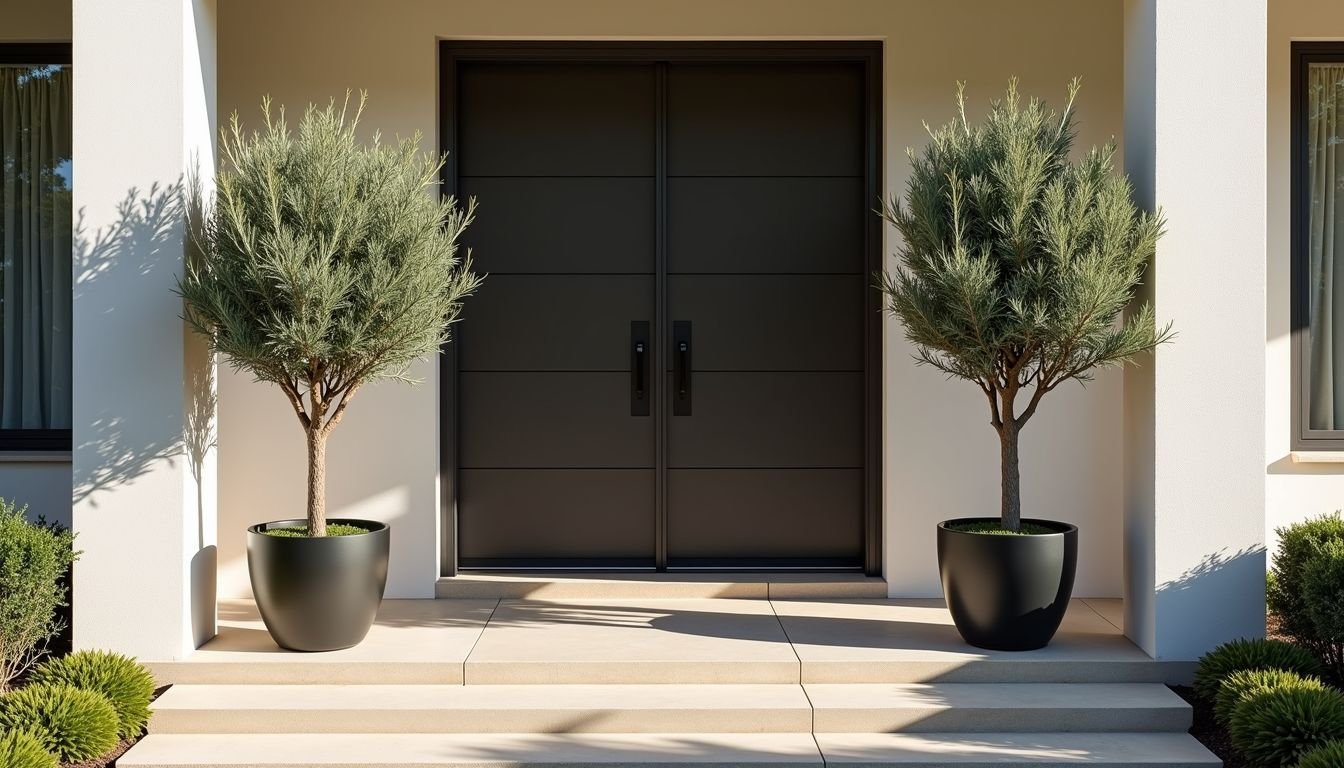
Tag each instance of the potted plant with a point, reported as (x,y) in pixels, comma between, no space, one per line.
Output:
(323,264)
(1016,267)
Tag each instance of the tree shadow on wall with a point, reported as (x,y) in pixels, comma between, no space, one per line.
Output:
(116,445)
(1205,593)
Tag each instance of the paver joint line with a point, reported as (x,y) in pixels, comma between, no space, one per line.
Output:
(477,641)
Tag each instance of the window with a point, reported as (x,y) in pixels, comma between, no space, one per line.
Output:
(35,247)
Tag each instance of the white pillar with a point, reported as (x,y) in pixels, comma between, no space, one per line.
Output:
(144,499)
(1195,122)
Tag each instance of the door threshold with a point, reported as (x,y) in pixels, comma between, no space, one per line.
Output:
(622,585)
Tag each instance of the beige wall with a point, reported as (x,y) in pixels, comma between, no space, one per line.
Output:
(940,456)
(41,482)
(1293,491)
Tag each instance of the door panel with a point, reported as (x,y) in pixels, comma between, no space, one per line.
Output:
(553,465)
(556,119)
(765,119)
(551,420)
(765,225)
(561,225)
(772,322)
(558,515)
(555,322)
(765,514)
(766,419)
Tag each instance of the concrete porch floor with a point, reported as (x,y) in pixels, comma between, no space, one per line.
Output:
(679,640)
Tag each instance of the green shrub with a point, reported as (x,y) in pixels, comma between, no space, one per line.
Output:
(1220,663)
(1286,592)
(33,560)
(1326,756)
(1323,591)
(1274,728)
(20,749)
(1243,683)
(126,684)
(72,724)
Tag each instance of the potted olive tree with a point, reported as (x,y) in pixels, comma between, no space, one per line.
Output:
(323,264)
(1017,265)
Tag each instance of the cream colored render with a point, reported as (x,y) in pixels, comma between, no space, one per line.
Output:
(940,457)
(1292,491)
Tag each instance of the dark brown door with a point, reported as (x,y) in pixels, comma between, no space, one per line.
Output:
(703,219)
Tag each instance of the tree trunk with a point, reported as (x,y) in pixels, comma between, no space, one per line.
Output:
(1011,506)
(317,483)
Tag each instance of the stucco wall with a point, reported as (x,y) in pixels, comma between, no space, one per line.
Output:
(940,456)
(1292,491)
(43,485)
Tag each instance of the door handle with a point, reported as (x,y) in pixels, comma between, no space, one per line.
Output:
(681,350)
(639,368)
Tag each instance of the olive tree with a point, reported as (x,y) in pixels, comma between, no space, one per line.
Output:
(1018,262)
(323,264)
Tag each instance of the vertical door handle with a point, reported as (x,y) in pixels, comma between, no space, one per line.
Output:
(639,368)
(681,351)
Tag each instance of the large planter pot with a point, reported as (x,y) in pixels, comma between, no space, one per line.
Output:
(318,594)
(1006,592)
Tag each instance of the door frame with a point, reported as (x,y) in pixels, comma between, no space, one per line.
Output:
(867,53)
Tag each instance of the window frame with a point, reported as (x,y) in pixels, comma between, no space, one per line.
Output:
(35,440)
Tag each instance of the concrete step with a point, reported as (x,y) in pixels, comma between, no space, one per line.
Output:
(660,641)
(873,708)
(1024,750)
(1005,707)
(1021,750)
(626,586)
(482,709)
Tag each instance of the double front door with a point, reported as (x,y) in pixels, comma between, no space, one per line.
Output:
(666,364)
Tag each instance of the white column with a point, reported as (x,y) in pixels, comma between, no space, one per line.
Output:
(1195,122)
(144,498)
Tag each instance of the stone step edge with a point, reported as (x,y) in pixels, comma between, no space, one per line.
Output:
(1109,750)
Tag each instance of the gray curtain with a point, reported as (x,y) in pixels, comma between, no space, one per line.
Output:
(1325,171)
(35,242)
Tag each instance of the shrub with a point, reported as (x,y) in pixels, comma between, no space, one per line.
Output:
(1286,593)
(1322,592)
(1274,728)
(1329,755)
(72,724)
(1243,683)
(1220,663)
(127,685)
(20,749)
(33,561)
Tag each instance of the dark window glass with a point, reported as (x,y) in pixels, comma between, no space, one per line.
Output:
(35,253)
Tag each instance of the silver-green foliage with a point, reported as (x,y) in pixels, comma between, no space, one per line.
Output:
(33,561)
(325,263)
(128,686)
(20,749)
(71,723)
(1017,261)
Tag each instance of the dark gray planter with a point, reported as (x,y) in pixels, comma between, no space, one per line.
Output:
(318,594)
(1007,593)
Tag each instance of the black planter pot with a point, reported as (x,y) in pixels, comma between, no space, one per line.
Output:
(1007,593)
(318,594)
